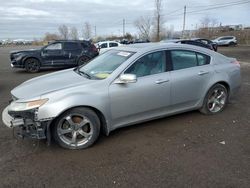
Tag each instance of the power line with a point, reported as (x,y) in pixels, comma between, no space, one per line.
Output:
(174,11)
(194,10)
(218,7)
(212,8)
(216,4)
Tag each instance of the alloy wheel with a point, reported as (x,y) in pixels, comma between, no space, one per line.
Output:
(217,100)
(75,130)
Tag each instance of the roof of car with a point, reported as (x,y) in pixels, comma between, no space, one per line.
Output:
(71,41)
(107,41)
(141,47)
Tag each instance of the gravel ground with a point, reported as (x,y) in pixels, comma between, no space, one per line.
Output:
(186,150)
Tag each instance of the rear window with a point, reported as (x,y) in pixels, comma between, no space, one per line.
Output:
(182,59)
(71,46)
(85,44)
(104,45)
(226,38)
(112,44)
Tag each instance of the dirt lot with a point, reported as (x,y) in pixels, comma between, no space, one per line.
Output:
(179,151)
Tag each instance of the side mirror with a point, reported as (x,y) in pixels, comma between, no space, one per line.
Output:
(126,78)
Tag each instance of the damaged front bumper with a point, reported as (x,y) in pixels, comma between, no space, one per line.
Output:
(25,124)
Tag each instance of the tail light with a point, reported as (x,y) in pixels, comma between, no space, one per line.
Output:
(237,63)
(94,48)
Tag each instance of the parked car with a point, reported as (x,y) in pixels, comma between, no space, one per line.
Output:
(140,41)
(106,45)
(121,87)
(190,42)
(63,53)
(226,41)
(212,44)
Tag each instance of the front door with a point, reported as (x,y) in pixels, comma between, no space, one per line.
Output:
(53,55)
(148,97)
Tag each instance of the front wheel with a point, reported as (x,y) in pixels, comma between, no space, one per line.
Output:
(32,65)
(215,100)
(77,128)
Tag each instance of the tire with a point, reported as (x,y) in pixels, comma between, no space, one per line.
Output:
(232,44)
(215,100)
(77,128)
(32,65)
(83,60)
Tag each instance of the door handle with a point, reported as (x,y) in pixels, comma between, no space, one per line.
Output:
(203,72)
(161,81)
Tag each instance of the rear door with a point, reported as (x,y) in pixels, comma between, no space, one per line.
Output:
(190,75)
(72,50)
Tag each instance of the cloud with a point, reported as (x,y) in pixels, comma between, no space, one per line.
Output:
(33,18)
(22,11)
(45,1)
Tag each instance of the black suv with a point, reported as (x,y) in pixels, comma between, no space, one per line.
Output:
(63,53)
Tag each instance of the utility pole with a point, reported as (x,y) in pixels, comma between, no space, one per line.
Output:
(123,23)
(95,31)
(158,27)
(184,21)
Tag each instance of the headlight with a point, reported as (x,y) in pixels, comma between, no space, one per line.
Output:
(23,106)
(18,56)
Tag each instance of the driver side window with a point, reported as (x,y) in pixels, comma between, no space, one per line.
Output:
(55,46)
(149,64)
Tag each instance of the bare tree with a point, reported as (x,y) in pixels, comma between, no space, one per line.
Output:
(87,31)
(64,31)
(208,27)
(143,24)
(158,19)
(205,22)
(50,37)
(74,33)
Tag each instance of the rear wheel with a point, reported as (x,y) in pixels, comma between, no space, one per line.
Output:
(77,128)
(83,60)
(32,65)
(232,44)
(215,100)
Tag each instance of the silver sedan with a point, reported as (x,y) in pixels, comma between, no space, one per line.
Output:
(121,87)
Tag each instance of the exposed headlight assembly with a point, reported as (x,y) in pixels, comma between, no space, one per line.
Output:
(23,106)
(18,55)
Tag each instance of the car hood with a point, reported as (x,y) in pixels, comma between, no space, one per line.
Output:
(39,86)
(25,51)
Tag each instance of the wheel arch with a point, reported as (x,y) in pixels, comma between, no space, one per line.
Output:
(222,82)
(31,57)
(104,127)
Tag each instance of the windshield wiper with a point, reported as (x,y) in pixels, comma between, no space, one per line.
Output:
(85,74)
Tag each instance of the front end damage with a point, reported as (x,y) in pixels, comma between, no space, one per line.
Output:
(26,124)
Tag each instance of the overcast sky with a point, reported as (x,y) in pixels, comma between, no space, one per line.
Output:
(32,18)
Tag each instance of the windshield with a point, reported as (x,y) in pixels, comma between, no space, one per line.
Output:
(102,66)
